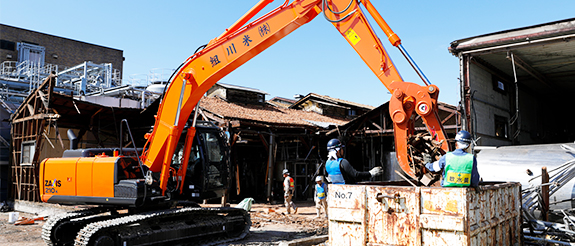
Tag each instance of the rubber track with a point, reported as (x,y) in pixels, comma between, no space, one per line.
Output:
(63,218)
(85,234)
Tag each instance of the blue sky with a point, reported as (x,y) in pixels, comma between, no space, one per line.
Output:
(314,58)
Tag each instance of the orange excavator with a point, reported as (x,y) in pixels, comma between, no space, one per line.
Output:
(155,191)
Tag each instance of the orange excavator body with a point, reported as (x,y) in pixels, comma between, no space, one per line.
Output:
(96,176)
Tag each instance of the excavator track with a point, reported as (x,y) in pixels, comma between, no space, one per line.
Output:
(61,229)
(178,226)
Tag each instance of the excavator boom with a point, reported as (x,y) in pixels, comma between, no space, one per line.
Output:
(241,42)
(153,185)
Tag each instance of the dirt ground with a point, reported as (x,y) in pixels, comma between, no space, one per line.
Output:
(270,226)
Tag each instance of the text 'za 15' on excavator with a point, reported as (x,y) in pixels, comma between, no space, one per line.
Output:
(157,183)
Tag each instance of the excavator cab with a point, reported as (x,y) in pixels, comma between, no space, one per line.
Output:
(208,164)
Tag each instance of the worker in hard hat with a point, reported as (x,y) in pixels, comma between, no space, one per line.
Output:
(459,167)
(339,170)
(288,192)
(320,197)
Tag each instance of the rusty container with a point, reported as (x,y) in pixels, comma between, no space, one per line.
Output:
(392,213)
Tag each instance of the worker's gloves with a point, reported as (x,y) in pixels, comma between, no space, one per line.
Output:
(426,158)
(376,171)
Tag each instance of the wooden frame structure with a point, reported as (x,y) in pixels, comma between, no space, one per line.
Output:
(29,125)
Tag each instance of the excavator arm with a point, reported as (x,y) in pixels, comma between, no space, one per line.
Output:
(242,41)
(120,181)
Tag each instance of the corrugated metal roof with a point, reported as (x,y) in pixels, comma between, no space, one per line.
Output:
(544,55)
(513,36)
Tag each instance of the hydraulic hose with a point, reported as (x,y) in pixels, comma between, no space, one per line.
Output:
(324,4)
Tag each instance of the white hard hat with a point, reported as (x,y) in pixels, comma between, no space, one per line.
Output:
(285,171)
(319,178)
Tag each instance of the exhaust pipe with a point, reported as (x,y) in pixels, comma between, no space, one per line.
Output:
(73,139)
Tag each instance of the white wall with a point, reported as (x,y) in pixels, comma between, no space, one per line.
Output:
(487,103)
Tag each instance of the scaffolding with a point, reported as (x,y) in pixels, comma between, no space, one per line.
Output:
(82,78)
(89,77)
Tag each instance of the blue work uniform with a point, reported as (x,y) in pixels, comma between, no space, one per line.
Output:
(456,160)
(334,172)
(340,171)
(320,191)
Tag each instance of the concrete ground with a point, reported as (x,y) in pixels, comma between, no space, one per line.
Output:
(270,226)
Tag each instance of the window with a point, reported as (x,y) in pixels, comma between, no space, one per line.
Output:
(7,45)
(214,152)
(28,150)
(215,156)
(500,126)
(499,85)
(351,112)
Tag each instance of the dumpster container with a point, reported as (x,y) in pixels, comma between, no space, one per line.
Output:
(396,213)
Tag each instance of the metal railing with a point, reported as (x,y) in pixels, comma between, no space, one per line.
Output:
(87,78)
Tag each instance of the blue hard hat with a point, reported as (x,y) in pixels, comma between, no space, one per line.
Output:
(334,143)
(463,136)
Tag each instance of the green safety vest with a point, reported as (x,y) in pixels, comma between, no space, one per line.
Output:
(457,170)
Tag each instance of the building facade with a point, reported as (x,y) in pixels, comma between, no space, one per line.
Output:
(19,45)
(517,84)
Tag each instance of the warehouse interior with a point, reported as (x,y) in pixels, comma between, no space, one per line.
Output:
(517,84)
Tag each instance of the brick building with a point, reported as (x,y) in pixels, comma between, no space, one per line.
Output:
(17,45)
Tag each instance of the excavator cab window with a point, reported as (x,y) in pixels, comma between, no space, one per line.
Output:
(213,147)
(213,151)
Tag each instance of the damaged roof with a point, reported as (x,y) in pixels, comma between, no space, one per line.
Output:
(241,88)
(281,102)
(446,112)
(265,113)
(331,101)
(73,113)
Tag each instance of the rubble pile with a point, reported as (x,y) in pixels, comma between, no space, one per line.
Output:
(261,218)
(560,230)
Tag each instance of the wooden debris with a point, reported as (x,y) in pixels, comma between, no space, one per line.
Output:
(28,221)
(421,143)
